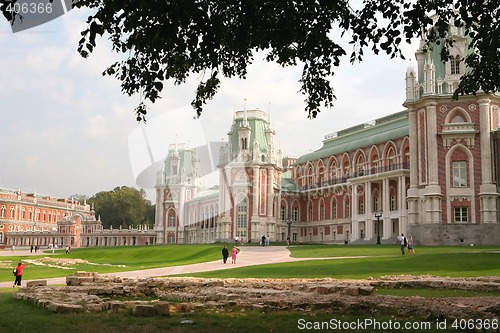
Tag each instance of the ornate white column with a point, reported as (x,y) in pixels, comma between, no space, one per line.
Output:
(386,225)
(487,191)
(369,213)
(354,219)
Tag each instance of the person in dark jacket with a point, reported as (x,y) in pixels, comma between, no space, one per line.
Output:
(225,254)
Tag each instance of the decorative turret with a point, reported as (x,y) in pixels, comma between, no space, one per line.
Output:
(411,83)
(429,75)
(433,76)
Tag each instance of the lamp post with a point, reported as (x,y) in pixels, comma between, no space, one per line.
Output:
(378,215)
(289,223)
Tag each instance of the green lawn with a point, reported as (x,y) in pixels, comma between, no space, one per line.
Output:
(363,261)
(381,260)
(116,259)
(369,260)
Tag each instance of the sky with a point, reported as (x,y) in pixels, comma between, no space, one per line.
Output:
(67,130)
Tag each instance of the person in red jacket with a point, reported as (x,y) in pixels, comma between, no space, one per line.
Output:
(19,274)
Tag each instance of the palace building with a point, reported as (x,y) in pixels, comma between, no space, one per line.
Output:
(430,171)
(30,219)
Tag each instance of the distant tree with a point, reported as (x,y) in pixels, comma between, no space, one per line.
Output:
(124,206)
(169,40)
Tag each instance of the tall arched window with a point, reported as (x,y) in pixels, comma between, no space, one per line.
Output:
(334,209)
(241,218)
(459,173)
(455,65)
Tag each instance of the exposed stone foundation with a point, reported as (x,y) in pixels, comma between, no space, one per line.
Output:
(147,297)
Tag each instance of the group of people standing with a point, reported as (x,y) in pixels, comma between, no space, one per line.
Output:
(406,243)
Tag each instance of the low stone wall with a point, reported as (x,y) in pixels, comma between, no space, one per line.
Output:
(95,293)
(92,292)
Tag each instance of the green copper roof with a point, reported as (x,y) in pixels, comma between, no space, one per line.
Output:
(387,128)
(187,162)
(258,126)
(435,55)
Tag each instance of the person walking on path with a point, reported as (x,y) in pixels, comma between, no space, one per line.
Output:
(410,244)
(19,274)
(234,252)
(225,253)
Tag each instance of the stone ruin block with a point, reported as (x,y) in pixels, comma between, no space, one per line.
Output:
(72,280)
(142,310)
(181,307)
(64,308)
(36,283)
(366,290)
(352,291)
(84,274)
(162,308)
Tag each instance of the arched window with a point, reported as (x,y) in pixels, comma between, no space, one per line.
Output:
(455,65)
(241,218)
(347,212)
(334,209)
(459,173)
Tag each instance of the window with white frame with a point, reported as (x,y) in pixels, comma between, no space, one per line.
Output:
(242,218)
(295,214)
(334,209)
(461,214)
(283,213)
(347,212)
(392,202)
(455,65)
(322,212)
(171,220)
(361,208)
(459,174)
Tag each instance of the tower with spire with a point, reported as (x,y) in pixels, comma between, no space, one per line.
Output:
(249,179)
(176,184)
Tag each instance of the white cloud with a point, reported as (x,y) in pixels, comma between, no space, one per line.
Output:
(69,129)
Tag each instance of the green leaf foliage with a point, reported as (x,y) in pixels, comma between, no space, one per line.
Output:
(124,206)
(170,40)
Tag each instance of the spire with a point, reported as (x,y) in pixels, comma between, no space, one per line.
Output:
(269,114)
(245,118)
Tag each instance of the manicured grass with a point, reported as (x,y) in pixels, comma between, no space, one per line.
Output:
(325,251)
(116,259)
(439,264)
(369,260)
